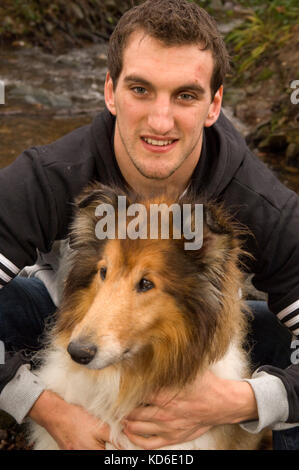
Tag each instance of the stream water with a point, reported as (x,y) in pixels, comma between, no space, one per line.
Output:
(47,96)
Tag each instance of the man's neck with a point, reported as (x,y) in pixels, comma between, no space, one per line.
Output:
(148,187)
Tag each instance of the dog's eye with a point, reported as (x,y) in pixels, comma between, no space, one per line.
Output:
(145,285)
(103,272)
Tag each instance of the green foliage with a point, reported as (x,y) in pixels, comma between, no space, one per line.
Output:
(35,18)
(267,27)
(265,74)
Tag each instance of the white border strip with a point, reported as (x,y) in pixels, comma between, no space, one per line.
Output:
(288,310)
(4,276)
(292,322)
(8,264)
(296,332)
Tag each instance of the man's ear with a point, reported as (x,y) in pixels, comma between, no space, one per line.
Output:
(215,108)
(109,94)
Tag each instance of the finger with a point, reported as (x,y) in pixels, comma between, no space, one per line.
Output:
(147,443)
(143,428)
(162,398)
(103,432)
(157,442)
(143,413)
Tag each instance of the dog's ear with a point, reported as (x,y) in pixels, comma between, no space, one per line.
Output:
(212,233)
(97,193)
(218,220)
(85,213)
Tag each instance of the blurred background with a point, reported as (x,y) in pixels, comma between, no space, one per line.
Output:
(53,63)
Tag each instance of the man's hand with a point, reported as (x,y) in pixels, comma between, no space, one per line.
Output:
(172,418)
(71,426)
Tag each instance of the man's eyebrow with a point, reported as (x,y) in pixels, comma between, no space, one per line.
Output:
(192,87)
(185,87)
(136,79)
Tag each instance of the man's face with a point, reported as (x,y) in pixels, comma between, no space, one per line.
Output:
(162,101)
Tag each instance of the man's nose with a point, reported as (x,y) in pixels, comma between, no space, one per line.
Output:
(160,118)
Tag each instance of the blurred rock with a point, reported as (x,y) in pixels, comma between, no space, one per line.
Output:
(40,96)
(76,10)
(233,96)
(216,4)
(258,134)
(226,28)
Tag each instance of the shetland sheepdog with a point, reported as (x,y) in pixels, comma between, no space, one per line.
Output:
(139,315)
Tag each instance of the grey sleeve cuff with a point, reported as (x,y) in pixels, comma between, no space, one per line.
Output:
(20,394)
(272,403)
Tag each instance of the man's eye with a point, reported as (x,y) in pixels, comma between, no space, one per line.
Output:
(186,97)
(139,90)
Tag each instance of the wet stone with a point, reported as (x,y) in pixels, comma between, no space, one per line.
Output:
(40,96)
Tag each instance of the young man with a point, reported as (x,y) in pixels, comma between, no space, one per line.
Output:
(163,128)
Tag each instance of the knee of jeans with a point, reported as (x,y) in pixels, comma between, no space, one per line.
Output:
(287,439)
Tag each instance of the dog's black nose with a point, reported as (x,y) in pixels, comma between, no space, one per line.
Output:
(81,352)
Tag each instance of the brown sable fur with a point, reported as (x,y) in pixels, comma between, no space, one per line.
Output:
(183,324)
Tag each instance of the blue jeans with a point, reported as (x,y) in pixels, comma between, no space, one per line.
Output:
(25,308)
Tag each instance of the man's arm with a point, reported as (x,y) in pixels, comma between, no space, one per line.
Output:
(71,426)
(174,418)
(22,394)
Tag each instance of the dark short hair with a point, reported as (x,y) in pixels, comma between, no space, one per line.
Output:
(173,22)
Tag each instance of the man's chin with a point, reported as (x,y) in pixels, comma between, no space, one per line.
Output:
(155,173)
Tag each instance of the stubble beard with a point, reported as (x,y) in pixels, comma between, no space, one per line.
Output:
(154,176)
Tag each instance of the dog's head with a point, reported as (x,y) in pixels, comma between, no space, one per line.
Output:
(161,293)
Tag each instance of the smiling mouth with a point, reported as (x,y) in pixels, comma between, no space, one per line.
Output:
(158,143)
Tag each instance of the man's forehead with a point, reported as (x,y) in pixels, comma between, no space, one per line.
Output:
(140,39)
(147,60)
